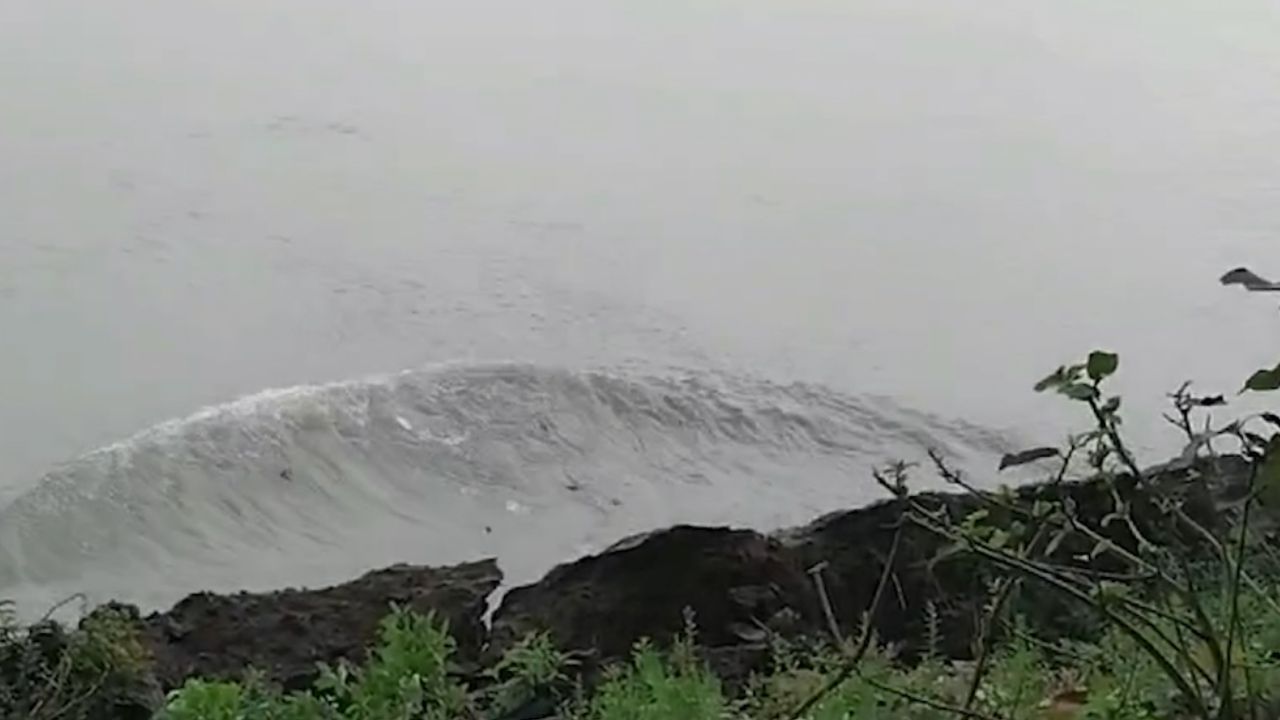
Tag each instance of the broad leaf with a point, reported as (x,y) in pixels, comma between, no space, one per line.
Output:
(1102,365)
(1079,391)
(1264,380)
(972,520)
(1210,401)
(1058,377)
(1028,456)
(1112,406)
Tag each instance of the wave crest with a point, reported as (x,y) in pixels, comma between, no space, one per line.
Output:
(313,484)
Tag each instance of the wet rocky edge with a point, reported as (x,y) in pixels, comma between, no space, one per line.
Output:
(741,588)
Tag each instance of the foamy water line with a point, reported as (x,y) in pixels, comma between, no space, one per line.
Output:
(534,465)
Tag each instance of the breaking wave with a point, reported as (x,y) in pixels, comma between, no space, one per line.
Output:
(534,465)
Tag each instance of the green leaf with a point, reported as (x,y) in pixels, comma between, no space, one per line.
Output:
(1028,456)
(1102,365)
(972,519)
(1209,401)
(1079,391)
(1264,380)
(999,539)
(1058,377)
(1112,406)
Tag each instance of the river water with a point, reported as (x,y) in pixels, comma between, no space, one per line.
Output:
(290,290)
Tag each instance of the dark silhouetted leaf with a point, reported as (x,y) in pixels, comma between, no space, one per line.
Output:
(1079,391)
(1271,418)
(1112,406)
(1102,365)
(1028,456)
(1058,377)
(1209,401)
(1264,380)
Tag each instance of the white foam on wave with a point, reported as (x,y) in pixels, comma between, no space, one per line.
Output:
(312,484)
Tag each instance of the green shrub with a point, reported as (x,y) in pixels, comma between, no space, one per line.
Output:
(1017,682)
(201,700)
(98,671)
(657,686)
(407,676)
(534,669)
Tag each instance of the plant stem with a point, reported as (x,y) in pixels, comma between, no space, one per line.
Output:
(1185,687)
(1228,699)
(850,665)
(927,702)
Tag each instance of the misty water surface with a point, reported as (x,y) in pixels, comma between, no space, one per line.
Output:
(933,202)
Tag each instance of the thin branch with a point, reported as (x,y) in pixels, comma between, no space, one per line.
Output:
(815,573)
(953,476)
(63,603)
(850,665)
(1234,595)
(1002,593)
(1184,686)
(1054,649)
(925,701)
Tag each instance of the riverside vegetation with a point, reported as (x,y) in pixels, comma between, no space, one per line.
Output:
(1165,617)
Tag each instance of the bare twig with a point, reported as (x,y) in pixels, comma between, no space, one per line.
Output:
(1185,687)
(815,573)
(1001,594)
(952,476)
(63,603)
(850,665)
(927,702)
(1234,596)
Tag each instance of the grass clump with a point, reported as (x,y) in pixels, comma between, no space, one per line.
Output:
(406,678)
(531,676)
(657,686)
